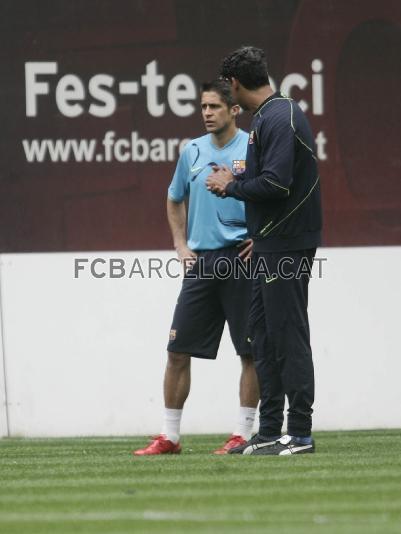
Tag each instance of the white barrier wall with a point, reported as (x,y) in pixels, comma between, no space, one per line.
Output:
(86,356)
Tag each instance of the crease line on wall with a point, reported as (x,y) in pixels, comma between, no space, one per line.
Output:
(3,354)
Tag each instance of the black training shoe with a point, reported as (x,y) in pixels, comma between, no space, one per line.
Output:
(285,446)
(256,441)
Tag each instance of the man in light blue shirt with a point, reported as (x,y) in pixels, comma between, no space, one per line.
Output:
(213,222)
(210,238)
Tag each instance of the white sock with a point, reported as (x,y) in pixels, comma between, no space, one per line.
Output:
(246,418)
(171,424)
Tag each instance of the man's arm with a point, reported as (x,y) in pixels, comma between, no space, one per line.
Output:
(257,189)
(222,183)
(177,219)
(276,161)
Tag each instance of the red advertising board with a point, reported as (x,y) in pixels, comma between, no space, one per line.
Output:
(98,97)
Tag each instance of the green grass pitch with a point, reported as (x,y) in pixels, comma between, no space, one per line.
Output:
(351,485)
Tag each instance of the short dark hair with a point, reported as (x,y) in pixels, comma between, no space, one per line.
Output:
(248,65)
(222,88)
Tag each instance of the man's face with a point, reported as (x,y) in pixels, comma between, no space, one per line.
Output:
(216,115)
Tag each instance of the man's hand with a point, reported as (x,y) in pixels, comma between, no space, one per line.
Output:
(186,256)
(218,180)
(246,247)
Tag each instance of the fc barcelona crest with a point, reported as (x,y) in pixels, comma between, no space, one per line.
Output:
(238,166)
(173,335)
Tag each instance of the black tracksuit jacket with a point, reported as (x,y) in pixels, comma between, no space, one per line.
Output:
(281,185)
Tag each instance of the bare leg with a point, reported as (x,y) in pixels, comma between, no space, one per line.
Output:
(248,385)
(177,380)
(249,398)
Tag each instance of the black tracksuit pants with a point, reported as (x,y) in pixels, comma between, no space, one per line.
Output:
(279,332)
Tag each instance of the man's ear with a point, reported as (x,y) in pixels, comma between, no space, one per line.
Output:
(235,110)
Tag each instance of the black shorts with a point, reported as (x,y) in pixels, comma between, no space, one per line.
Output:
(210,296)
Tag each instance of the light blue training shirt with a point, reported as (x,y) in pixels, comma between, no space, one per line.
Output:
(213,222)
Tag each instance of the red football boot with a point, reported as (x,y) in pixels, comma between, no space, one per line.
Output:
(159,445)
(232,441)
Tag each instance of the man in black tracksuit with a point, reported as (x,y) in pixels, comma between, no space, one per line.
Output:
(281,188)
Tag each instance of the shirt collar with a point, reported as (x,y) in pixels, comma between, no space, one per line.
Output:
(277,94)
